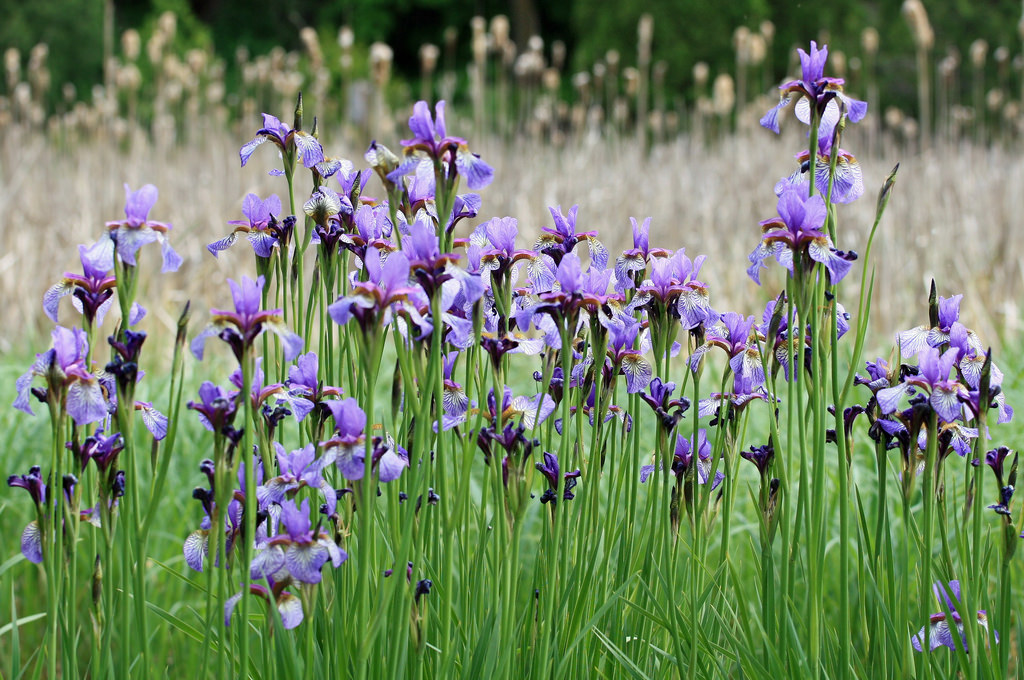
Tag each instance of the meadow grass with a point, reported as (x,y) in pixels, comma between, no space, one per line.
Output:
(673,576)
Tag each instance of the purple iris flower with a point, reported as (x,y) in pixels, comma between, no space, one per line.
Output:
(634,261)
(304,382)
(944,395)
(431,144)
(878,375)
(286,139)
(126,236)
(241,327)
(798,229)
(65,372)
(683,460)
(815,90)
(347,448)
(349,178)
(371,301)
(551,470)
(940,632)
(733,336)
(297,469)
(261,219)
(216,406)
(675,285)
(288,607)
(31,536)
(101,449)
(623,357)
(761,456)
(1007,480)
(913,340)
(300,550)
(847,182)
(93,290)
(561,239)
(300,406)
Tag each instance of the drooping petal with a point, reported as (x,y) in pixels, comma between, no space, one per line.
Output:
(249,147)
(85,402)
(32,543)
(197,548)
(303,561)
(290,609)
(390,466)
(291,342)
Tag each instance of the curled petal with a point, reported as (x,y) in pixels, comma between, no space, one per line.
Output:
(223,244)
(390,466)
(291,342)
(249,147)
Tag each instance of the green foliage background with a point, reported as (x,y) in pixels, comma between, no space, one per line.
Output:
(685,31)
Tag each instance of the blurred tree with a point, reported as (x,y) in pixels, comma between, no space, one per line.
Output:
(73,30)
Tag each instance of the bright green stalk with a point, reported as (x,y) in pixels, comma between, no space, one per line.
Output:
(929,488)
(244,453)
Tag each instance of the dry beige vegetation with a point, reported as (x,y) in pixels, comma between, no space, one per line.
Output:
(955,215)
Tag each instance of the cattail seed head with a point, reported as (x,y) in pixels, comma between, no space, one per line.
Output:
(869,40)
(131,44)
(978,52)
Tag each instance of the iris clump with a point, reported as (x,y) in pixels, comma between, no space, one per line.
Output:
(429,385)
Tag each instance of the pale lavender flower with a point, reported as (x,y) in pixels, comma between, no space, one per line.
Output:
(125,237)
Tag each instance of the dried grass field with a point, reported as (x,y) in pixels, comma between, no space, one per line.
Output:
(955,215)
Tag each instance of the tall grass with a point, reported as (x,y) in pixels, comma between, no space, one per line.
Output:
(601,524)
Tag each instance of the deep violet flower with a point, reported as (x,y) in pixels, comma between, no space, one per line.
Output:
(551,471)
(216,406)
(259,226)
(241,327)
(125,237)
(31,536)
(683,460)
